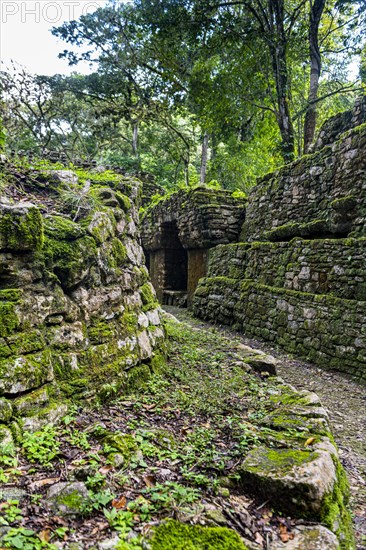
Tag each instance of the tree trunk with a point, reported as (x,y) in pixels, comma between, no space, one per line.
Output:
(204,158)
(316,10)
(278,51)
(135,135)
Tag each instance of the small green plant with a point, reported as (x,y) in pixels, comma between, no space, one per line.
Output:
(239,194)
(171,494)
(77,438)
(94,481)
(4,476)
(10,512)
(41,446)
(24,539)
(8,455)
(120,520)
(97,501)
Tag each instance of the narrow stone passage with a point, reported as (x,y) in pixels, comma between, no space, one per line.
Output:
(345,401)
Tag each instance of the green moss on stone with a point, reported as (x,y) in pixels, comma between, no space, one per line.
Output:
(158,363)
(148,298)
(123,444)
(282,461)
(137,376)
(61,228)
(10,295)
(6,410)
(21,230)
(72,501)
(100,332)
(119,253)
(174,535)
(344,204)
(334,511)
(124,201)
(9,321)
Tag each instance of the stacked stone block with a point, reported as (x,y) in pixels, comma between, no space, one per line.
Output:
(300,281)
(78,314)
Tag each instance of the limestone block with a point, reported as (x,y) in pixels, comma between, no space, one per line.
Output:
(48,415)
(263,363)
(25,373)
(309,537)
(64,176)
(297,481)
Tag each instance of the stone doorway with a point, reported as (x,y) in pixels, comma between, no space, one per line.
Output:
(169,267)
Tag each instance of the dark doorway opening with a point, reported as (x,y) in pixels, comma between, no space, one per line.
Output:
(176,258)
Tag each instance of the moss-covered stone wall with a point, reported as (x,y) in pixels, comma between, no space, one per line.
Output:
(204,217)
(326,330)
(335,126)
(318,196)
(78,314)
(324,266)
(301,284)
(178,231)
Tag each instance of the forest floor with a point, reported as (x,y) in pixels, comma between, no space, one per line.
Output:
(343,397)
(169,450)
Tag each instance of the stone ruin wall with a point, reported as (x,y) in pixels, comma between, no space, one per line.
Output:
(78,314)
(335,126)
(179,230)
(299,280)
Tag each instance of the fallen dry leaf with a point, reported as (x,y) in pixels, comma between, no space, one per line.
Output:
(42,482)
(105,469)
(119,503)
(149,480)
(284,536)
(45,535)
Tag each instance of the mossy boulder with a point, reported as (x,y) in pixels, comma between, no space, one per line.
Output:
(120,448)
(6,410)
(309,537)
(296,481)
(173,535)
(68,498)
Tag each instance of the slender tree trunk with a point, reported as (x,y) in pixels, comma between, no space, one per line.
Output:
(278,51)
(186,171)
(204,158)
(135,135)
(284,118)
(316,10)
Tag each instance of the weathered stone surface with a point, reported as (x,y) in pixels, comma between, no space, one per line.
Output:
(21,227)
(301,199)
(12,493)
(177,232)
(309,537)
(64,176)
(43,416)
(6,438)
(297,481)
(263,363)
(68,498)
(6,410)
(75,297)
(335,126)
